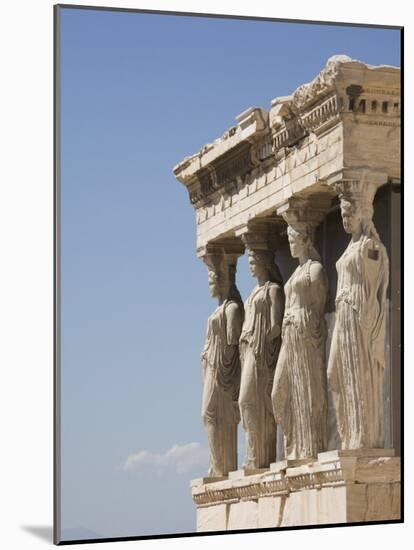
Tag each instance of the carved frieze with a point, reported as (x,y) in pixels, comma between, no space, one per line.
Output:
(220,175)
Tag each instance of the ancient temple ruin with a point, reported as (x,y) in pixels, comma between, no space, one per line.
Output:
(320,167)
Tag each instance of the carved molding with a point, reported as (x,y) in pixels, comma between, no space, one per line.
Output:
(339,471)
(222,175)
(317,119)
(321,84)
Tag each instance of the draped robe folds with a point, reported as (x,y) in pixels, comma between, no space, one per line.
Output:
(357,355)
(221,383)
(258,359)
(299,394)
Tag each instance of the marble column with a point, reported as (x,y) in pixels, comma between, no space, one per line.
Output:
(259,348)
(299,394)
(357,355)
(220,358)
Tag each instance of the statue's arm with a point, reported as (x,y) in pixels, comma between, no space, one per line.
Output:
(234,323)
(277,306)
(375,257)
(319,284)
(375,282)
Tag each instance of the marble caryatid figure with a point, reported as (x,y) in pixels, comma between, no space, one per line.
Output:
(221,365)
(259,349)
(299,394)
(357,354)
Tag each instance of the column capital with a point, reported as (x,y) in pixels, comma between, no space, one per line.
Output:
(226,247)
(260,234)
(354,177)
(306,211)
(358,192)
(213,254)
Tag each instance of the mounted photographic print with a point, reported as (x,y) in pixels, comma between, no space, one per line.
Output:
(228,236)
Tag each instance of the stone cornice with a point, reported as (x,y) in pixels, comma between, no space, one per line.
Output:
(251,125)
(339,70)
(345,86)
(346,92)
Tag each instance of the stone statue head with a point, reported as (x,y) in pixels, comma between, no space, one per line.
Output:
(351,216)
(262,265)
(217,282)
(222,276)
(301,244)
(218,274)
(357,207)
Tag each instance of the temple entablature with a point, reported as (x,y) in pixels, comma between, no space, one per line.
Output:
(344,124)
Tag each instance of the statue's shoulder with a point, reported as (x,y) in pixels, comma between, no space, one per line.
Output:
(316,269)
(273,285)
(233,309)
(274,288)
(232,306)
(317,276)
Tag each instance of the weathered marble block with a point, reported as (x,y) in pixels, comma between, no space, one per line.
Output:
(338,487)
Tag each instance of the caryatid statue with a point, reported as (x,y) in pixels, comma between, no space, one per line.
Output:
(221,363)
(299,394)
(259,349)
(357,355)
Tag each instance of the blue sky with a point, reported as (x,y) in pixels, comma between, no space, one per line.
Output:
(139,93)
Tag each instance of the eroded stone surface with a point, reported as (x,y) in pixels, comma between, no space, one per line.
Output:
(243,515)
(269,510)
(212,518)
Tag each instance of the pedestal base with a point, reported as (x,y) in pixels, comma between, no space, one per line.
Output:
(338,487)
